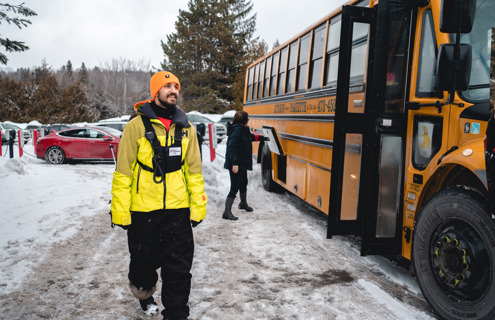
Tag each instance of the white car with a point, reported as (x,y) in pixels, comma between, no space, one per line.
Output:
(119,125)
(228,116)
(9,126)
(196,118)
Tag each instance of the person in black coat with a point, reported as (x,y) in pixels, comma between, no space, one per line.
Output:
(238,160)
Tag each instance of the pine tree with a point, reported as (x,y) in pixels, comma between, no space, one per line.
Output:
(206,51)
(13,45)
(68,76)
(42,72)
(15,99)
(83,74)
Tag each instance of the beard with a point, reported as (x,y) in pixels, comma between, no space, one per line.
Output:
(166,104)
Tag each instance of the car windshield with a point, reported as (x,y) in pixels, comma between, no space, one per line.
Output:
(10,126)
(198,118)
(480,40)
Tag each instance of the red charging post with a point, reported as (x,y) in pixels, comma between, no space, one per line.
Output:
(35,139)
(20,139)
(212,132)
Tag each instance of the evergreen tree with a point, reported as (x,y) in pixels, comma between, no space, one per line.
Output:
(15,99)
(68,75)
(74,106)
(206,51)
(12,45)
(42,72)
(83,74)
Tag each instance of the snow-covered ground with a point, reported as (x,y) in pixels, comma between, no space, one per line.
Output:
(60,259)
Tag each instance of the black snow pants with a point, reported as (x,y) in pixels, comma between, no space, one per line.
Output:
(238,182)
(163,239)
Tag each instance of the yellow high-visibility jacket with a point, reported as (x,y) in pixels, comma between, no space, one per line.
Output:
(133,188)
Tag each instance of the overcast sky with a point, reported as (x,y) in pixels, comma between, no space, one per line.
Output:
(96,31)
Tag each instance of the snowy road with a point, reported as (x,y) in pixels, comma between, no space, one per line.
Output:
(61,260)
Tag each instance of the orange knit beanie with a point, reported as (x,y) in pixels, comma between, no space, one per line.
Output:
(159,79)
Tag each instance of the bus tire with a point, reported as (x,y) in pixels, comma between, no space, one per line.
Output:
(266,169)
(454,255)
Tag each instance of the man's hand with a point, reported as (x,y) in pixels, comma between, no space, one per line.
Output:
(195,223)
(235,168)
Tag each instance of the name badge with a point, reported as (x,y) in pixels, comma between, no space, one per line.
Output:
(174,152)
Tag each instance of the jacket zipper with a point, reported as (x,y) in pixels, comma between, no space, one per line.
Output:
(139,176)
(165,174)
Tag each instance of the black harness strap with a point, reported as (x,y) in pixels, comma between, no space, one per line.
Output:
(161,159)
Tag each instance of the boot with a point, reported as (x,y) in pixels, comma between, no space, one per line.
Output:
(243,205)
(227,214)
(149,306)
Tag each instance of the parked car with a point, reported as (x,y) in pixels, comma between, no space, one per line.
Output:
(84,143)
(55,127)
(119,125)
(227,116)
(196,118)
(4,126)
(33,125)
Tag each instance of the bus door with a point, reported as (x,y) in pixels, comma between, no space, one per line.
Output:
(369,136)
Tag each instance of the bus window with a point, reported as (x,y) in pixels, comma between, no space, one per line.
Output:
(260,79)
(250,84)
(358,57)
(317,57)
(281,71)
(291,69)
(302,69)
(480,41)
(332,57)
(267,76)
(255,84)
(351,176)
(273,79)
(427,140)
(389,185)
(334,36)
(425,86)
(398,47)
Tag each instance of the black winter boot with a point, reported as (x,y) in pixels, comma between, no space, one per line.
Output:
(149,306)
(243,205)
(227,214)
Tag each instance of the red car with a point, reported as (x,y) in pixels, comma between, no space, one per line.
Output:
(85,143)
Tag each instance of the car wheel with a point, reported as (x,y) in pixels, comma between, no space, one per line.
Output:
(55,155)
(454,255)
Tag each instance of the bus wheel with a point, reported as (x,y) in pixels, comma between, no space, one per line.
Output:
(266,169)
(454,255)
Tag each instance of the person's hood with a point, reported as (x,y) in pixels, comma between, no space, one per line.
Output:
(233,127)
(144,108)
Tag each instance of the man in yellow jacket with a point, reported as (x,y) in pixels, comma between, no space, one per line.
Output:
(158,193)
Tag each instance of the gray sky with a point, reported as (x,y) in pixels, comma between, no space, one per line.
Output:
(96,31)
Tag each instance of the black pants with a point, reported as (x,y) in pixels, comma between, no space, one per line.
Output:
(238,182)
(163,239)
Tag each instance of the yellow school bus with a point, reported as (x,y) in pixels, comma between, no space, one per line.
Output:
(376,116)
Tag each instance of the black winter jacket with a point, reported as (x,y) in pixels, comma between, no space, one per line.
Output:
(239,148)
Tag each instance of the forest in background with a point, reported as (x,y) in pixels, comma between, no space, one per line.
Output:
(209,51)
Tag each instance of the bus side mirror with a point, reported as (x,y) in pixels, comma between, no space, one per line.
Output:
(457,16)
(448,68)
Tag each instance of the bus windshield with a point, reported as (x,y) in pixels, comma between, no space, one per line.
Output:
(480,40)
